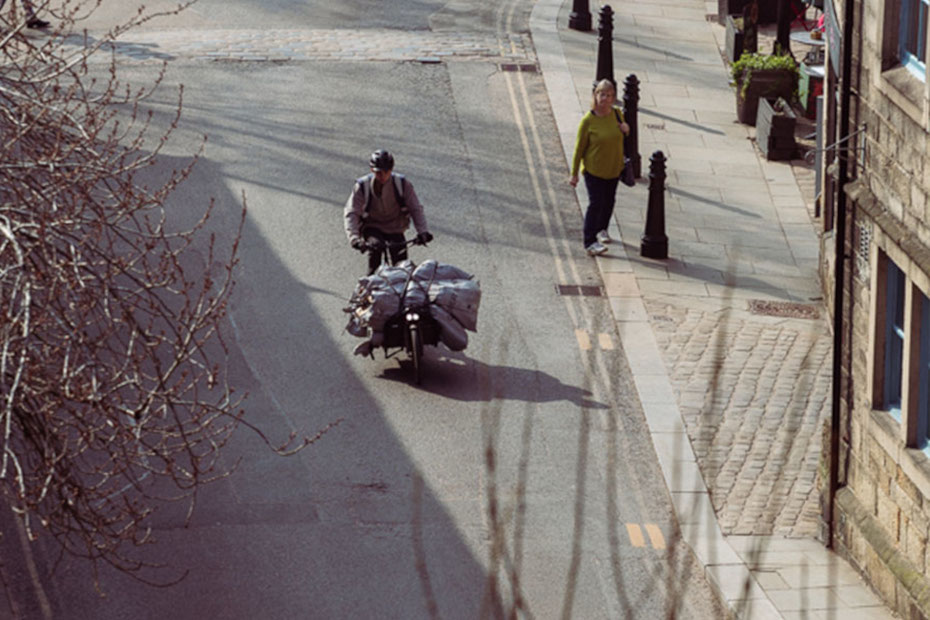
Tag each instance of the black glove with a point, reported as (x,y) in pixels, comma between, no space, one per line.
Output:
(359,244)
(423,238)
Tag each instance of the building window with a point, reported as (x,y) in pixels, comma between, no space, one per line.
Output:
(912,41)
(894,340)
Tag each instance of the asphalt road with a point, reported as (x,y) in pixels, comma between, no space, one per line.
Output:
(519,477)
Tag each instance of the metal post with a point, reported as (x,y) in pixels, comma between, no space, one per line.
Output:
(783,28)
(839,275)
(818,158)
(580,17)
(654,242)
(605,54)
(630,114)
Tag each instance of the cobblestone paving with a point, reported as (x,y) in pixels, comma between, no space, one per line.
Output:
(308,44)
(754,396)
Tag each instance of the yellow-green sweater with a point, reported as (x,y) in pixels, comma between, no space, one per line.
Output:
(599,145)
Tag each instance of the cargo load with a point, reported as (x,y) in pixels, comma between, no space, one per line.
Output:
(453,296)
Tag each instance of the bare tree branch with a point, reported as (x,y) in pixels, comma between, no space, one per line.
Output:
(113,389)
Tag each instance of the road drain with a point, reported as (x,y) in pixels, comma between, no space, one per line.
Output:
(579,290)
(786,309)
(525,68)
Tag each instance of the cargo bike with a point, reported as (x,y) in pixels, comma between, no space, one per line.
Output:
(404,308)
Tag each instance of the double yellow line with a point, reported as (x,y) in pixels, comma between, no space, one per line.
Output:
(604,340)
(635,532)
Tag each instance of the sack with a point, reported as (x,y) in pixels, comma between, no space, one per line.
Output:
(451,332)
(460,298)
(626,176)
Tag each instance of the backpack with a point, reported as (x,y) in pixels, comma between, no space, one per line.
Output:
(365,182)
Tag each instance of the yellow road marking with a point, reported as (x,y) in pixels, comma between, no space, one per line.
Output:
(606,342)
(584,340)
(655,536)
(635,534)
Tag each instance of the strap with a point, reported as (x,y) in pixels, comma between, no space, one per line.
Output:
(365,182)
(399,192)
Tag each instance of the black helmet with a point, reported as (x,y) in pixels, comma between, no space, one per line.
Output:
(381,160)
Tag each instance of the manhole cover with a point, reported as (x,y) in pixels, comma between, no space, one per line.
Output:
(787,309)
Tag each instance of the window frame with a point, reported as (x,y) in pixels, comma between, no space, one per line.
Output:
(895,339)
(922,359)
(911,59)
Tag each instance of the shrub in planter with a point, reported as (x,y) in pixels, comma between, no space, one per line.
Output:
(759,75)
(775,123)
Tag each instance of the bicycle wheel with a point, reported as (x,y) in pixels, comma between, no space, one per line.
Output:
(416,352)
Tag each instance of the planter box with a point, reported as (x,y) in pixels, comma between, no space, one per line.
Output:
(775,124)
(737,40)
(772,83)
(768,10)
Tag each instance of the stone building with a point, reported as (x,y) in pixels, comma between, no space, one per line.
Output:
(881,508)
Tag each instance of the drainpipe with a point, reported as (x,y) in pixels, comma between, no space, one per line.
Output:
(843,151)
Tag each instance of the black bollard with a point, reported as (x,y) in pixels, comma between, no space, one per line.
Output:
(654,242)
(630,114)
(605,53)
(580,17)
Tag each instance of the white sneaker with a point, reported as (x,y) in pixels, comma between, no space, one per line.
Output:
(603,237)
(596,248)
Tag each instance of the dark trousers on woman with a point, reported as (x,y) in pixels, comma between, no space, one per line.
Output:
(396,247)
(602,195)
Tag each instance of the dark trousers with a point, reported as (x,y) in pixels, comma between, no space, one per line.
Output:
(398,253)
(602,195)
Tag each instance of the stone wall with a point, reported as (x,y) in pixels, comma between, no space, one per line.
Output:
(882,514)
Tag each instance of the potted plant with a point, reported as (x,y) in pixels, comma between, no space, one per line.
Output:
(759,75)
(775,123)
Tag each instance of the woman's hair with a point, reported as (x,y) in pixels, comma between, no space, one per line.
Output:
(601,86)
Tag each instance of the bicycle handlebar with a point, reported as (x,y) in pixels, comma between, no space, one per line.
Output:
(378,244)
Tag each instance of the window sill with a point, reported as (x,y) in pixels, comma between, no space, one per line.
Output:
(914,462)
(906,91)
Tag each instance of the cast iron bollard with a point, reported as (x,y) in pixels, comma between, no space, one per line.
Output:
(580,17)
(655,243)
(630,114)
(605,53)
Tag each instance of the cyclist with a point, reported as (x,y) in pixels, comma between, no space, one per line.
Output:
(380,209)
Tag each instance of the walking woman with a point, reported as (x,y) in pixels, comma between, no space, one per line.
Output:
(599,155)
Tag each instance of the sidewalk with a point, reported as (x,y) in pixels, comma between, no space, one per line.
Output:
(727,339)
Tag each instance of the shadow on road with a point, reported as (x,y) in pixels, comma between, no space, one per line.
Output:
(456,376)
(344,529)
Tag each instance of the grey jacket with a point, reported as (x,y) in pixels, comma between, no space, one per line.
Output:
(386,215)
